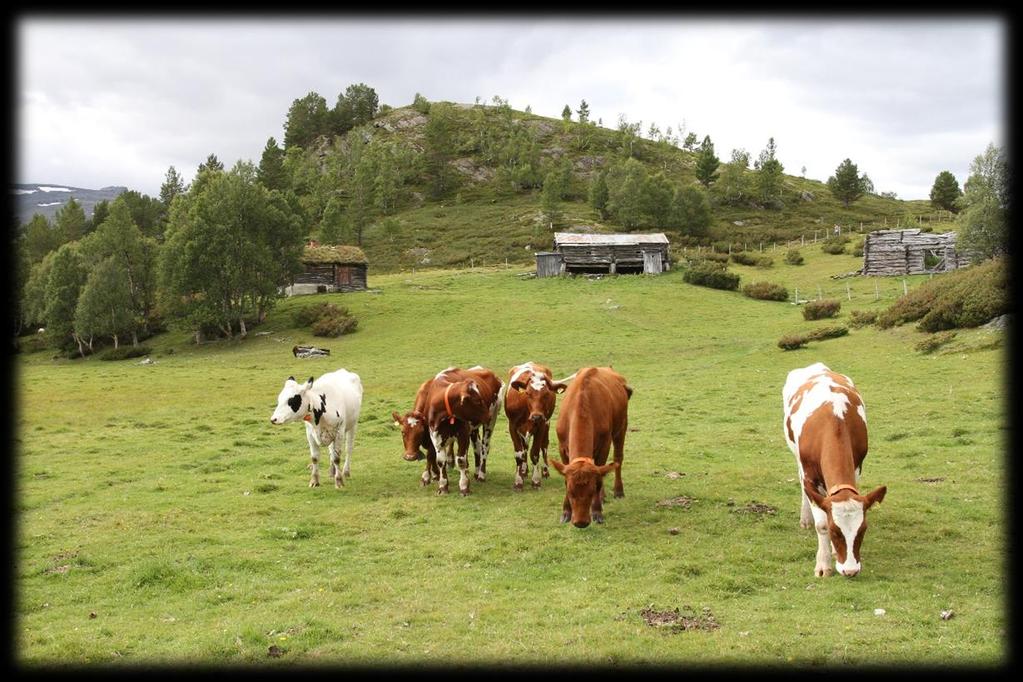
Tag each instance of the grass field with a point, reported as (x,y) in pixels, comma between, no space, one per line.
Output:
(162,519)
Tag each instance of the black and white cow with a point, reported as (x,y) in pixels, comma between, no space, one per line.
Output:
(329,406)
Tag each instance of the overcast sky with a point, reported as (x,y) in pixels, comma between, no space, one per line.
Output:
(105,101)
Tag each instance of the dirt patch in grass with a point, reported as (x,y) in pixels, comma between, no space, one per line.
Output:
(680,501)
(936,479)
(680,620)
(756,508)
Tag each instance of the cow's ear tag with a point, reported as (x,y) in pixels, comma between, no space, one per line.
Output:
(397,424)
(520,389)
(451,420)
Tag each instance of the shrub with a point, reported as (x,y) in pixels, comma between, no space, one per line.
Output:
(325,319)
(793,257)
(833,246)
(967,297)
(857,248)
(334,325)
(713,256)
(792,341)
(748,258)
(821,333)
(306,315)
(125,352)
(766,291)
(30,344)
(861,318)
(934,341)
(710,274)
(818,310)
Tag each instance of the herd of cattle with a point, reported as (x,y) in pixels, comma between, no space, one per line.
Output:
(824,424)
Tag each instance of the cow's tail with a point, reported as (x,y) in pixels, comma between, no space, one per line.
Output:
(568,378)
(501,393)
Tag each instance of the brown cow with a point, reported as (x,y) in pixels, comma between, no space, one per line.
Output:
(594,416)
(416,437)
(461,404)
(825,426)
(529,405)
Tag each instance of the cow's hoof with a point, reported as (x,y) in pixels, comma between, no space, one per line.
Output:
(464,493)
(546,473)
(314,484)
(481,477)
(822,572)
(536,485)
(806,524)
(619,493)
(517,486)
(598,518)
(565,517)
(442,491)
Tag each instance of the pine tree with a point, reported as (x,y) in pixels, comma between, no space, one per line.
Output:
(598,193)
(945,192)
(707,163)
(439,150)
(846,184)
(307,119)
(70,221)
(566,113)
(584,112)
(172,186)
(690,211)
(271,167)
(769,174)
(40,238)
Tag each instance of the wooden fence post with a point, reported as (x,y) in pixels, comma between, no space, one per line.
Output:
(877,295)
(905,288)
(848,292)
(819,295)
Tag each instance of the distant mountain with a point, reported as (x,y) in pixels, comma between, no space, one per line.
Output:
(47,198)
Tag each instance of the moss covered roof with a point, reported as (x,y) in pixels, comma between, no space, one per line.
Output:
(339,253)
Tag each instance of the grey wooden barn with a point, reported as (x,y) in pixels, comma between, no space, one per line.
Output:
(910,252)
(329,269)
(612,253)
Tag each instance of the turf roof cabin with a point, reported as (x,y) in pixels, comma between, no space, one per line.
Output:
(576,253)
(330,269)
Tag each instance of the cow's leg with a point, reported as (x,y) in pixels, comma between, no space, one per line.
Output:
(477,452)
(335,468)
(346,472)
(566,510)
(442,462)
(597,507)
(462,460)
(314,458)
(430,472)
(539,448)
(805,516)
(518,443)
(488,433)
(619,446)
(823,566)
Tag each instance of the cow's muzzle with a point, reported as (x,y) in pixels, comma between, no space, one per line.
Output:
(413,456)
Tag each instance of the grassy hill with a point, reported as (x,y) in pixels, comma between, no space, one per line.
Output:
(486,220)
(163,519)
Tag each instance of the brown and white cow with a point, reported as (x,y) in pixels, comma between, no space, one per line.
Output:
(825,426)
(529,404)
(462,404)
(416,437)
(594,416)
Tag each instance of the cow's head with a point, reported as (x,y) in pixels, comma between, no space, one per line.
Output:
(538,392)
(293,401)
(583,483)
(847,522)
(413,430)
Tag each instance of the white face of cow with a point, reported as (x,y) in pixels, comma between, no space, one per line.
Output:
(847,528)
(292,402)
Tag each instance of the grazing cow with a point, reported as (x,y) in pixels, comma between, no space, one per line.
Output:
(529,404)
(594,416)
(461,404)
(416,437)
(329,406)
(825,426)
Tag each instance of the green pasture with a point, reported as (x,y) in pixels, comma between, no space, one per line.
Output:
(161,519)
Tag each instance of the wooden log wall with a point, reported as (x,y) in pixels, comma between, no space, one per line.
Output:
(902,252)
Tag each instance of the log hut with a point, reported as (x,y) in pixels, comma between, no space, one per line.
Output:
(330,269)
(910,252)
(576,253)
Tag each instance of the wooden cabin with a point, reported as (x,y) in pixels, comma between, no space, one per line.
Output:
(330,269)
(910,252)
(576,253)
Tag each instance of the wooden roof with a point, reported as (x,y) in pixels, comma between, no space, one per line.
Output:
(579,239)
(339,253)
